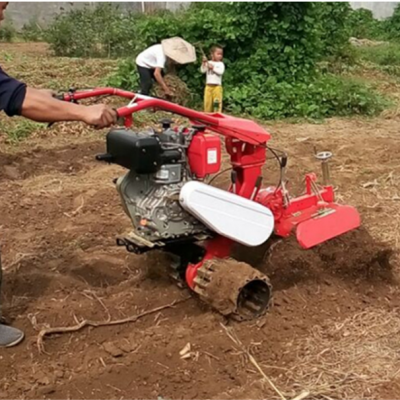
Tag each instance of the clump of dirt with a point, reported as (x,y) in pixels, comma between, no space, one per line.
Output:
(180,91)
(355,256)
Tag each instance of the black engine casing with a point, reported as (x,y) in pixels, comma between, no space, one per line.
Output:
(134,151)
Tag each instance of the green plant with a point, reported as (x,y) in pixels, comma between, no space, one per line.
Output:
(322,96)
(362,24)
(6,56)
(335,34)
(99,31)
(7,31)
(32,31)
(385,54)
(21,130)
(125,76)
(392,25)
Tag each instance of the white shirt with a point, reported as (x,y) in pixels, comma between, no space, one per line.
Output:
(152,57)
(214,76)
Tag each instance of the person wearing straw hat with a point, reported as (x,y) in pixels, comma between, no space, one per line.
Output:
(152,61)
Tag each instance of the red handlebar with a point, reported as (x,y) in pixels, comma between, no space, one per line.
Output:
(238,128)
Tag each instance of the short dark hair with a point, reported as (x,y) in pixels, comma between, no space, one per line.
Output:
(216,47)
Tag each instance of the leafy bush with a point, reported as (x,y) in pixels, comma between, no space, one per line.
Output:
(362,25)
(126,76)
(392,25)
(100,31)
(32,32)
(322,96)
(7,32)
(335,34)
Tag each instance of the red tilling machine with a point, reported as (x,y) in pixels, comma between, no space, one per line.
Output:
(167,196)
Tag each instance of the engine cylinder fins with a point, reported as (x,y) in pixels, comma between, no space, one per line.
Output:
(233,288)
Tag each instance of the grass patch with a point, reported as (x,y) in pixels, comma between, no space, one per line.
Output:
(383,55)
(20,130)
(384,58)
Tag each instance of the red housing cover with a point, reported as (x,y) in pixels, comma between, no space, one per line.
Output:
(205,154)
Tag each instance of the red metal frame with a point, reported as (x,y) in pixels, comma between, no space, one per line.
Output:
(241,129)
(314,215)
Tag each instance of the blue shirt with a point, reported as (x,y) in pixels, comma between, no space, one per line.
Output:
(12,94)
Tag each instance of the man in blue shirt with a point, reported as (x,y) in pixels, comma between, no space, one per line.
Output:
(16,98)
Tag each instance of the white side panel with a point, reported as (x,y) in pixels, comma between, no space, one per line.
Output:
(232,216)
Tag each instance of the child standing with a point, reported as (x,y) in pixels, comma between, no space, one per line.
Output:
(214,70)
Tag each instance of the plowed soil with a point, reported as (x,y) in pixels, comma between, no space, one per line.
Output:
(60,214)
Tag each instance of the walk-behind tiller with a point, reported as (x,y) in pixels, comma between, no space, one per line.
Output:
(172,208)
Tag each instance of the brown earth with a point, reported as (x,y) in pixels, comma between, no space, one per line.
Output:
(60,214)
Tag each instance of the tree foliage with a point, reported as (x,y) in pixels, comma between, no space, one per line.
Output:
(363,25)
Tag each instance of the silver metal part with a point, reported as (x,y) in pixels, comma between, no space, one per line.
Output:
(154,208)
(168,174)
(151,201)
(324,156)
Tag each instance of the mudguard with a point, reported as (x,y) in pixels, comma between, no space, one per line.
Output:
(227,214)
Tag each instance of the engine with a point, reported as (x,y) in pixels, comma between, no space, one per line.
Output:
(159,164)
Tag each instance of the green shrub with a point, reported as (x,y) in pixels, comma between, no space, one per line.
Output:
(32,31)
(7,32)
(392,25)
(100,31)
(335,32)
(362,25)
(126,76)
(322,96)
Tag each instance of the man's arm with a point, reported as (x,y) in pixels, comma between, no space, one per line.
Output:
(39,105)
(42,107)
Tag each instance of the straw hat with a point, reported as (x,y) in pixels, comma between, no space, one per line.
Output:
(179,50)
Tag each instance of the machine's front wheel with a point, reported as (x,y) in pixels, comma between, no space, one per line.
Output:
(233,288)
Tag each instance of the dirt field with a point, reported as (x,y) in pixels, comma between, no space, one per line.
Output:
(334,327)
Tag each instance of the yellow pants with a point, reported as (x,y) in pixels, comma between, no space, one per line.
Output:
(212,93)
